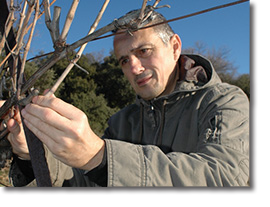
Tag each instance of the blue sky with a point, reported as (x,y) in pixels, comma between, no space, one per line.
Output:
(228,27)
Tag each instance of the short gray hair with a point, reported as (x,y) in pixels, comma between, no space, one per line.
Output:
(163,30)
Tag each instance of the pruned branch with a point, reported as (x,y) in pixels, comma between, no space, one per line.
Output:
(24,27)
(55,22)
(140,18)
(122,23)
(21,36)
(48,21)
(26,50)
(22,15)
(58,40)
(8,26)
(79,53)
(69,19)
(14,47)
(156,3)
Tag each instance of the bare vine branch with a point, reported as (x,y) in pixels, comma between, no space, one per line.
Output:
(21,36)
(26,50)
(142,10)
(69,19)
(52,25)
(22,14)
(156,3)
(55,22)
(8,25)
(29,26)
(79,53)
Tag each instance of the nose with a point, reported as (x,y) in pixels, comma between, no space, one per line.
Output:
(136,65)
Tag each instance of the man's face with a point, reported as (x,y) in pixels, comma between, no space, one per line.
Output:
(147,62)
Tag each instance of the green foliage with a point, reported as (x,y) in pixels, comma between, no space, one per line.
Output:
(112,83)
(242,81)
(95,108)
(44,82)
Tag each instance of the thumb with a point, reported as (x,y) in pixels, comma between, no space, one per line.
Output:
(13,126)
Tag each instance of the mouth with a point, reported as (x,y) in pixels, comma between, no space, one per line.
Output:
(143,81)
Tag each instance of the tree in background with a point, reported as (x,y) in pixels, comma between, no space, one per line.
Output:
(112,83)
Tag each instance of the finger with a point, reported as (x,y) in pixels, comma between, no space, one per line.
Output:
(13,127)
(2,102)
(40,128)
(17,115)
(61,107)
(43,137)
(46,115)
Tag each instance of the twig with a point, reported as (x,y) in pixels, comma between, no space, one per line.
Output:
(79,53)
(68,21)
(151,11)
(48,64)
(55,22)
(8,26)
(140,18)
(5,59)
(121,22)
(20,42)
(13,49)
(26,50)
(24,27)
(22,14)
(156,3)
(48,19)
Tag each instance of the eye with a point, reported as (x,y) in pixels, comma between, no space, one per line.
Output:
(124,61)
(145,52)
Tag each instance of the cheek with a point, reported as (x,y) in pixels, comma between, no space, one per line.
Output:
(165,68)
(129,77)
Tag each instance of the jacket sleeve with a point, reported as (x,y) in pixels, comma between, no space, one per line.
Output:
(221,157)
(62,175)
(59,172)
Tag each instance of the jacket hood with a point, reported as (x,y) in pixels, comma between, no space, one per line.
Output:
(196,73)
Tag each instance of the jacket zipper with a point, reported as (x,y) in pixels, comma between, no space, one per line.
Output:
(162,123)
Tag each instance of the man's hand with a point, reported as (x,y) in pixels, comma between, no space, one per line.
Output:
(16,135)
(65,130)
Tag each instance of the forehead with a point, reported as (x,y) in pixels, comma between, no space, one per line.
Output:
(125,42)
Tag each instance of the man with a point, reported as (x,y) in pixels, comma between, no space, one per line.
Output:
(185,129)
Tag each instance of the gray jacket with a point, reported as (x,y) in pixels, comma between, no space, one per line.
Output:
(196,136)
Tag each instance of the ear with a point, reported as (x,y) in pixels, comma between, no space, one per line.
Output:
(177,46)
